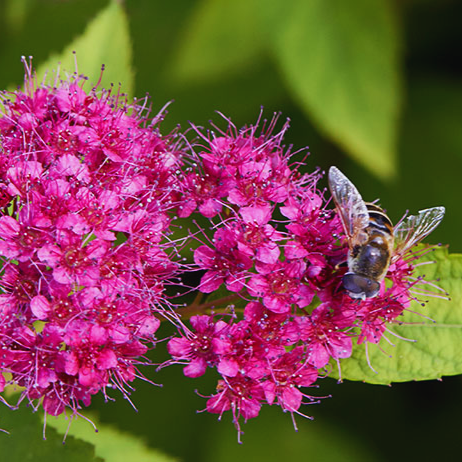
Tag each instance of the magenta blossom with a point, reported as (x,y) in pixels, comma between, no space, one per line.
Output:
(280,286)
(225,264)
(203,347)
(274,269)
(93,187)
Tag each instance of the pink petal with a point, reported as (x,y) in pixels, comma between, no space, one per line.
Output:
(250,408)
(269,254)
(72,364)
(107,359)
(196,368)
(50,255)
(45,377)
(61,274)
(318,355)
(179,347)
(210,281)
(88,376)
(9,227)
(257,214)
(119,334)
(9,249)
(228,367)
(291,399)
(40,307)
(70,165)
(73,222)
(341,347)
(98,335)
(148,326)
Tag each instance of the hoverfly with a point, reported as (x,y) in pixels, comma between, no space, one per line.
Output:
(372,240)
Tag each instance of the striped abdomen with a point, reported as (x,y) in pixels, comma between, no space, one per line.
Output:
(372,258)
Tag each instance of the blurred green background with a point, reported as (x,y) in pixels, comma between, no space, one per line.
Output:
(372,86)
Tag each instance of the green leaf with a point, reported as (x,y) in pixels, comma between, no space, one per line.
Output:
(341,59)
(110,443)
(25,441)
(105,41)
(220,39)
(437,348)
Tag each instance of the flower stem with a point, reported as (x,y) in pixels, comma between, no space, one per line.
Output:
(200,308)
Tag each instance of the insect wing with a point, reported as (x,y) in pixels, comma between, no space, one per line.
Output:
(350,205)
(416,227)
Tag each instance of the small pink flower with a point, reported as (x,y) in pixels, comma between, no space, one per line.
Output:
(90,354)
(205,192)
(289,372)
(323,336)
(23,176)
(224,264)
(203,347)
(21,239)
(257,237)
(72,263)
(69,165)
(243,396)
(280,286)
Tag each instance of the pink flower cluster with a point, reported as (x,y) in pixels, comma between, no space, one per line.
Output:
(88,192)
(87,186)
(280,248)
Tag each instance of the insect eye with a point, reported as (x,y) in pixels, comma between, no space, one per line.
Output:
(360,286)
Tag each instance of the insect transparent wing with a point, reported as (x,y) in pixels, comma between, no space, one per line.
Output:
(350,205)
(416,227)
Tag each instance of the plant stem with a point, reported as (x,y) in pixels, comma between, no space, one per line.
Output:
(200,308)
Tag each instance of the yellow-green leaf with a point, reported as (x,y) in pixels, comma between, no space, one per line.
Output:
(24,441)
(106,41)
(219,39)
(341,60)
(437,349)
(110,443)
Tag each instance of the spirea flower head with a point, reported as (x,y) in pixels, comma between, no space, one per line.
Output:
(88,192)
(278,247)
